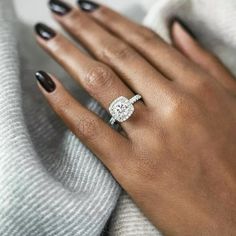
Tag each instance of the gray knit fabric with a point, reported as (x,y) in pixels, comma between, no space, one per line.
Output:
(128,220)
(50,184)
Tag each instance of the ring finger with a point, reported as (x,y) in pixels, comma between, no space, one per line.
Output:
(98,79)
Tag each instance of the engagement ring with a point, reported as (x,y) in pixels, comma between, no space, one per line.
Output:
(122,108)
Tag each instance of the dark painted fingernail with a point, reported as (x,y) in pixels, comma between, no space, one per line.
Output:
(185,27)
(44,31)
(59,7)
(88,6)
(45,81)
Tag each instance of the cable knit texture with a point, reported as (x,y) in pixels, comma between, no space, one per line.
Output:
(50,183)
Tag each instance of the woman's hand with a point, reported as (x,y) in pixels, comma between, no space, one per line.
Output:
(177,155)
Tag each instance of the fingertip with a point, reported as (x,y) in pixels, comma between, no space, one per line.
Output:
(179,34)
(183,38)
(180,28)
(174,27)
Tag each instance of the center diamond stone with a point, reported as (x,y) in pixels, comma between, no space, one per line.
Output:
(121,109)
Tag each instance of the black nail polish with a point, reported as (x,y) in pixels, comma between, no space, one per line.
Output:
(59,7)
(88,6)
(190,32)
(44,31)
(45,81)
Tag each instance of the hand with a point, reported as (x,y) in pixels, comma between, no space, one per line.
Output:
(177,155)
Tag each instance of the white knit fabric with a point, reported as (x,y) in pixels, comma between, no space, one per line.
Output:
(50,184)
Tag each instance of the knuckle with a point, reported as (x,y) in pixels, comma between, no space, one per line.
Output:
(87,128)
(98,77)
(181,108)
(120,52)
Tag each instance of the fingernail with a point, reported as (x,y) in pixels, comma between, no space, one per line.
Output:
(88,6)
(44,31)
(45,81)
(59,7)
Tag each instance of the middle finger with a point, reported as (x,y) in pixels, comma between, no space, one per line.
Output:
(134,69)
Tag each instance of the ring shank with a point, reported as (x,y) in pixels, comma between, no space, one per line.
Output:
(135,98)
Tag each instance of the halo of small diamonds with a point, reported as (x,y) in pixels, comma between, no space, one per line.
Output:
(122,108)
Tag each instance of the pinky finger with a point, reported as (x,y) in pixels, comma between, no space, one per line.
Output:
(87,126)
(189,47)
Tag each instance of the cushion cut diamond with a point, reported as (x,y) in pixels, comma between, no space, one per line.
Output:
(121,109)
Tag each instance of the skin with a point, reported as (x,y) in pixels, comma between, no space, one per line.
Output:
(177,155)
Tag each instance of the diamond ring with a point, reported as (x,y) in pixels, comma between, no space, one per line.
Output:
(122,108)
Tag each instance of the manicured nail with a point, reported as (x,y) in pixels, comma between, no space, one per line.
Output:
(44,31)
(185,27)
(45,81)
(88,6)
(59,7)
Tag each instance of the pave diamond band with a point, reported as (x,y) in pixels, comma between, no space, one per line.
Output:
(135,98)
(122,108)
